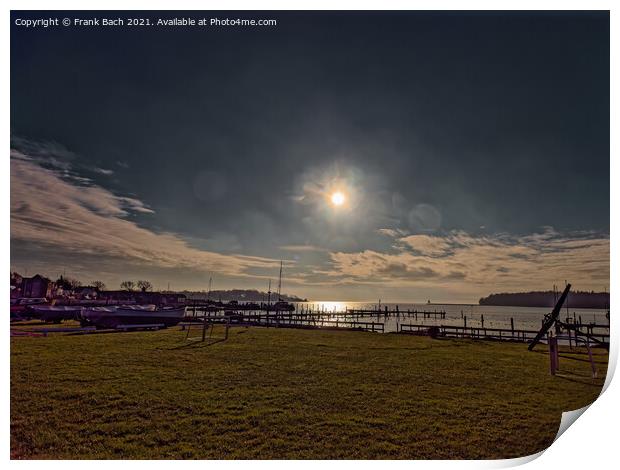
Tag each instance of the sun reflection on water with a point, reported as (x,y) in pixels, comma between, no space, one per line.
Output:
(329,306)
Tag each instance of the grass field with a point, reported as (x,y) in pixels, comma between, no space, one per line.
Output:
(283,393)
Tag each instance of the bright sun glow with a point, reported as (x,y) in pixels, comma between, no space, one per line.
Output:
(337,198)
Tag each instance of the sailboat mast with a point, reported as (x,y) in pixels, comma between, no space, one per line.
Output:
(269,294)
(280,282)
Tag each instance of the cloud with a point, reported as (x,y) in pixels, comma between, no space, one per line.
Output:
(481,263)
(427,245)
(302,248)
(51,154)
(135,205)
(53,209)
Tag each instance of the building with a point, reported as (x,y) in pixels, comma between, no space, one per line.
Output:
(36,286)
(86,292)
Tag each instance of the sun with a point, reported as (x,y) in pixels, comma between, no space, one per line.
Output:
(337,198)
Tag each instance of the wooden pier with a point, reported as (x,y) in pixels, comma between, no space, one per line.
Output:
(288,320)
(472,332)
(498,334)
(201,308)
(397,313)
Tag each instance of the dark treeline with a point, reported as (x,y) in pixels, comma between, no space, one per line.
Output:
(575,299)
(241,295)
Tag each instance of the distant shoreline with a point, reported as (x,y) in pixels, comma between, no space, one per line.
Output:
(547,299)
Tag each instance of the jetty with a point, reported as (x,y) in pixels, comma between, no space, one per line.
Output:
(201,307)
(286,320)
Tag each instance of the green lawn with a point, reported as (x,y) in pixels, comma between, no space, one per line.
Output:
(284,393)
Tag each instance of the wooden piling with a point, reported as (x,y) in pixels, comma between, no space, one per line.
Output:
(592,364)
(553,346)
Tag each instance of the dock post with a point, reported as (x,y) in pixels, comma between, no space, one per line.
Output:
(594,373)
(512,327)
(482,320)
(553,353)
(465,322)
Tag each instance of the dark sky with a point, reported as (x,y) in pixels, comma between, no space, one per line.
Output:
(483,123)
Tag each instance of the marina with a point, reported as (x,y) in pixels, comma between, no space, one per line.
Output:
(519,324)
(449,321)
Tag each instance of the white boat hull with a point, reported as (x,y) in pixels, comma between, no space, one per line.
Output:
(112,317)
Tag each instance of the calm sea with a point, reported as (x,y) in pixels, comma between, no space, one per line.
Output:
(525,318)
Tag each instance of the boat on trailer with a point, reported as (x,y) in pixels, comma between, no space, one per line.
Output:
(115,316)
(55,313)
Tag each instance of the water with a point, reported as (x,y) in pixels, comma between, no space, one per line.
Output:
(525,318)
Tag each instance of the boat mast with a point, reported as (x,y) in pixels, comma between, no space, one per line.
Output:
(209,291)
(269,294)
(280,283)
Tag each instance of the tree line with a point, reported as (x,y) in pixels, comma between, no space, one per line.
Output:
(576,299)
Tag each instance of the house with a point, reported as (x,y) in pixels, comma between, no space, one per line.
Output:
(86,292)
(36,286)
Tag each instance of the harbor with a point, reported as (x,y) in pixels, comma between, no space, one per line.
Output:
(574,334)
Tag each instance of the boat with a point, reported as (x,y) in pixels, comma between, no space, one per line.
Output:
(280,306)
(114,316)
(20,307)
(252,306)
(55,313)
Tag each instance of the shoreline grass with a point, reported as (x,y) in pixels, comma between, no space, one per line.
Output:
(286,393)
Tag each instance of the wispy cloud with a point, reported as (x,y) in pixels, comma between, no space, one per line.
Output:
(302,248)
(52,208)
